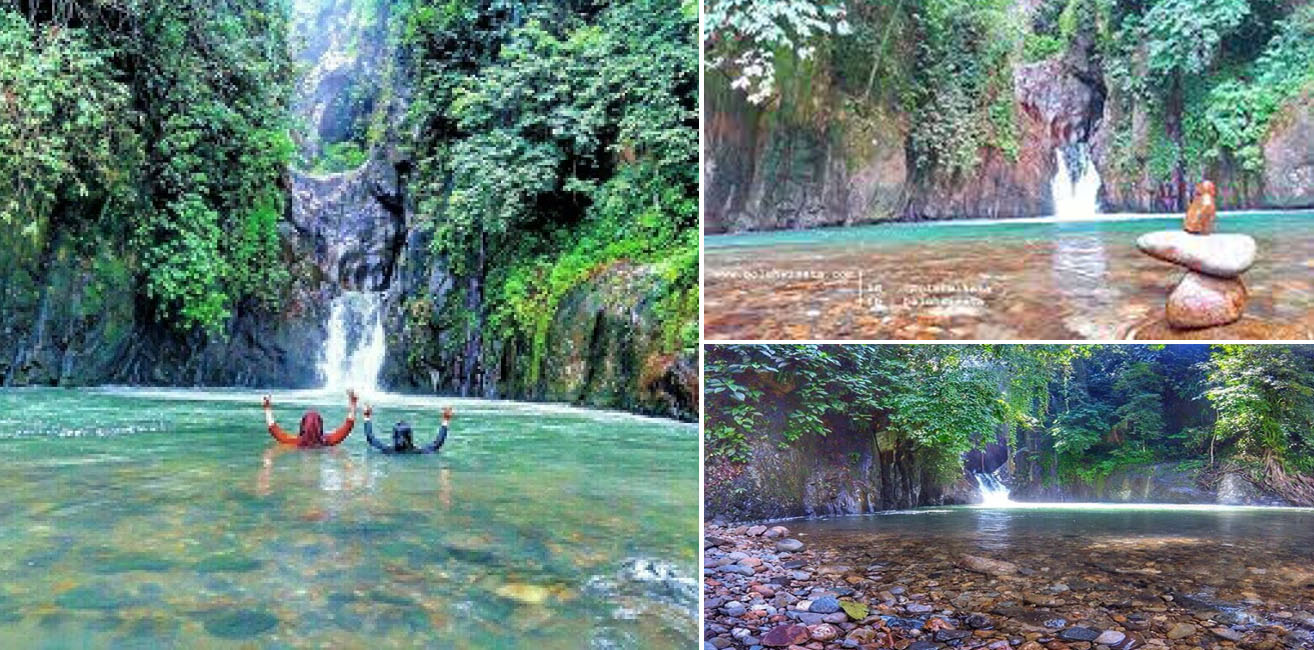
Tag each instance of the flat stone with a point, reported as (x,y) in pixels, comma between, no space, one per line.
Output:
(789,545)
(825,605)
(1110,637)
(786,635)
(1079,634)
(1223,256)
(1205,301)
(1181,631)
(240,624)
(986,565)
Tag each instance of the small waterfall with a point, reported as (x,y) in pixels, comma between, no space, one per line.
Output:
(993,491)
(354,351)
(1076,184)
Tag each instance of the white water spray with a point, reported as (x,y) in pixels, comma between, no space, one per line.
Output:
(993,491)
(354,351)
(1075,189)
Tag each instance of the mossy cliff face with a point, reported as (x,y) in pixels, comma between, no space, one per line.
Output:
(842,155)
(68,317)
(841,474)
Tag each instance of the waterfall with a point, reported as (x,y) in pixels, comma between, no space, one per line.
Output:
(354,350)
(993,491)
(1076,184)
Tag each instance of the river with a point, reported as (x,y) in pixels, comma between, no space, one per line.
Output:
(148,518)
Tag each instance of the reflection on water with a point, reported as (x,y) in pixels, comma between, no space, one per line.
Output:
(1081,273)
(171,519)
(1026,279)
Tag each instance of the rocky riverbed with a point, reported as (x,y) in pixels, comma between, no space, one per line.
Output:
(766,586)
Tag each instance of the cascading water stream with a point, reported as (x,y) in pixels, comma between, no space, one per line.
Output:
(1076,185)
(355,347)
(993,491)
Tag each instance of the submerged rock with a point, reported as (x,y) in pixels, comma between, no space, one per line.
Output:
(227,562)
(240,624)
(987,565)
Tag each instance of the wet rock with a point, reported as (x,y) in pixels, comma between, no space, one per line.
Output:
(825,605)
(786,635)
(1181,631)
(125,562)
(952,635)
(789,545)
(924,645)
(90,597)
(1110,637)
(1227,633)
(1202,213)
(986,565)
(1222,256)
(1079,634)
(227,563)
(823,632)
(240,624)
(525,594)
(711,541)
(1203,301)
(776,531)
(754,531)
(978,622)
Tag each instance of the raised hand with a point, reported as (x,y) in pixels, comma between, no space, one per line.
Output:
(369,410)
(447,413)
(351,396)
(268,403)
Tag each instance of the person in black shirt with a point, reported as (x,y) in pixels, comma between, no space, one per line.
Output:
(402,441)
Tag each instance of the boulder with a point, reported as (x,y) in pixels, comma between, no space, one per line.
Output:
(1205,301)
(1223,256)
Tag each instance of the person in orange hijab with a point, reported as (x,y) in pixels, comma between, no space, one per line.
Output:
(311,433)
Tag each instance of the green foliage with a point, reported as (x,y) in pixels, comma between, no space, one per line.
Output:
(1183,37)
(1086,411)
(1038,47)
(341,157)
(963,76)
(935,402)
(1238,104)
(556,144)
(1264,396)
(744,37)
(64,128)
(158,130)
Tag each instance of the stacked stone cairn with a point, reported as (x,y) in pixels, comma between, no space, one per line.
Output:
(1211,292)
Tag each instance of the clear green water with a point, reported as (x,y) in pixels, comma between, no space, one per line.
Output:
(985,280)
(138,518)
(1251,560)
(1258,224)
